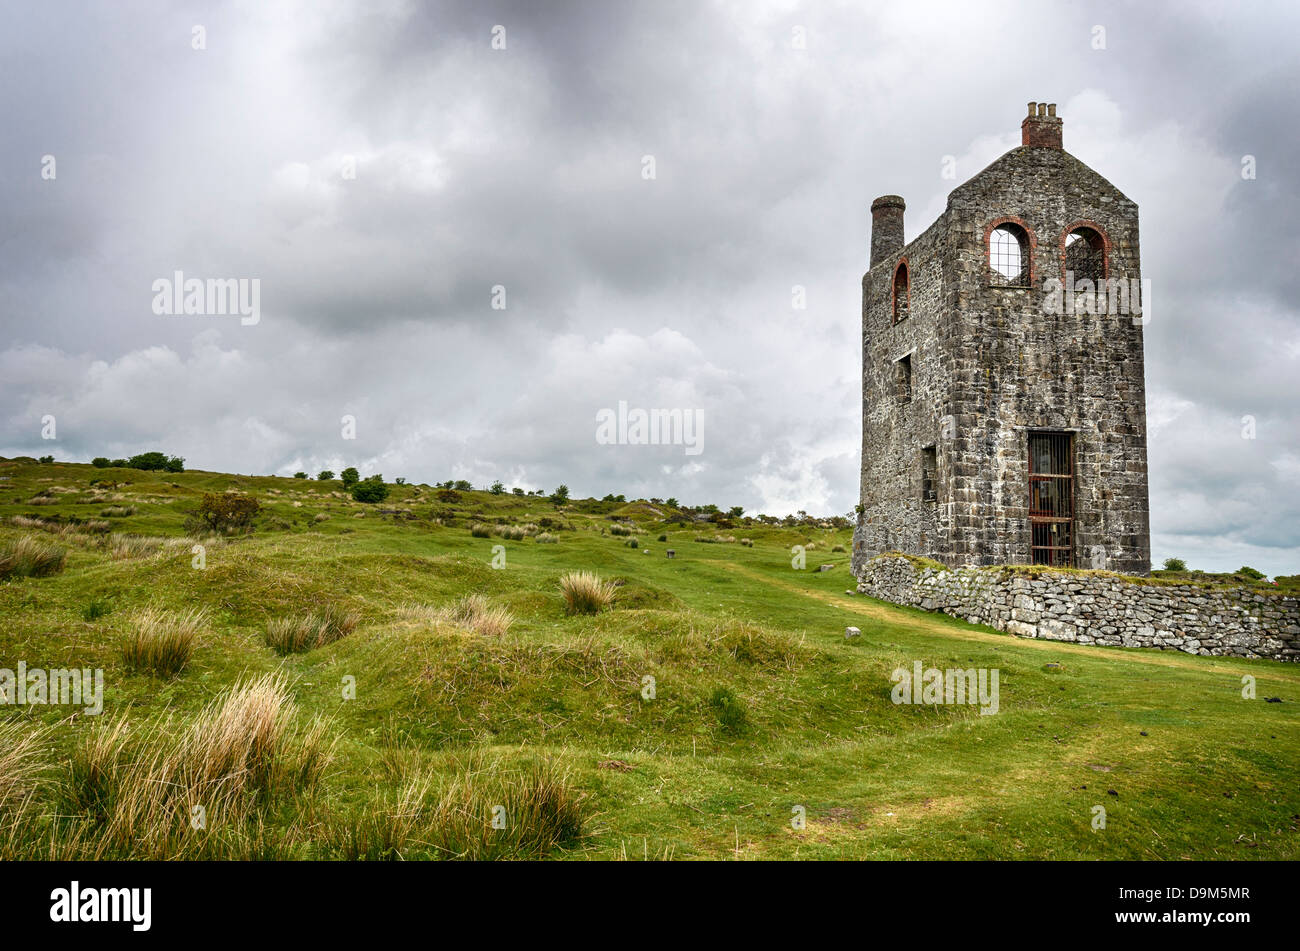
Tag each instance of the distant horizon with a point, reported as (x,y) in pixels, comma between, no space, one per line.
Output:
(472,230)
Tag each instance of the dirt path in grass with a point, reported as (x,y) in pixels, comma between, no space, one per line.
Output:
(953,627)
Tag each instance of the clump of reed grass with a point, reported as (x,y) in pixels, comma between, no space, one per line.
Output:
(304,632)
(162,642)
(585,593)
(30,557)
(475,613)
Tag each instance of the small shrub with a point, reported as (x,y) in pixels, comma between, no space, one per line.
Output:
(300,475)
(663,538)
(1175,564)
(161,642)
(227,511)
(100,462)
(29,557)
(156,462)
(371,489)
(350,477)
(325,475)
(585,592)
(1247,572)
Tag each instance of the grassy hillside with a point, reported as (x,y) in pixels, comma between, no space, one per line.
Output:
(760,703)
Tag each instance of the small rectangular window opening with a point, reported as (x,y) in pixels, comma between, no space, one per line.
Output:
(903,378)
(929,471)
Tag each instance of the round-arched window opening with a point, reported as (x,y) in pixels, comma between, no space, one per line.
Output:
(1009,256)
(902,292)
(1085,255)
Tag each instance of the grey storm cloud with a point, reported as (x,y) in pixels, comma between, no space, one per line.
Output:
(522,168)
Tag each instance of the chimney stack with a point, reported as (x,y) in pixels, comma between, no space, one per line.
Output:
(886,226)
(1041,127)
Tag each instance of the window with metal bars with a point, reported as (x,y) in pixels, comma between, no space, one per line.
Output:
(1009,256)
(1051,499)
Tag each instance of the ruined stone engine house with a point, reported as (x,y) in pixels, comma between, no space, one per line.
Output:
(1004,406)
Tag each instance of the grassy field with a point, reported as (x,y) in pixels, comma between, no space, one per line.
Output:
(396,719)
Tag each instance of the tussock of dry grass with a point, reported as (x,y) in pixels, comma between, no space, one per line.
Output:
(585,592)
(472,612)
(138,792)
(30,557)
(294,635)
(20,764)
(73,531)
(536,810)
(162,642)
(122,547)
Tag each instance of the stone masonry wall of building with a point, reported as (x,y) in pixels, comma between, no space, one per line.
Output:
(1018,368)
(1088,608)
(894,515)
(991,364)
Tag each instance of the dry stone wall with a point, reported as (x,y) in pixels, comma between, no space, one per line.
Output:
(1096,608)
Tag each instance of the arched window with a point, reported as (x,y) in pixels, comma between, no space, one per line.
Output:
(1009,255)
(1083,255)
(902,292)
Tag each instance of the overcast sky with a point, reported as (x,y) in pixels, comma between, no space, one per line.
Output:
(525,168)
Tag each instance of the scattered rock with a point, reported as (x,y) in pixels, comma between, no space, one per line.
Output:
(670,553)
(852,632)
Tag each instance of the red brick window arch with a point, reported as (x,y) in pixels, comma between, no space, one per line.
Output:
(1010,246)
(902,293)
(1085,253)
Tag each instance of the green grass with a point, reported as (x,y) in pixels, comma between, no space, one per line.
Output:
(685,720)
